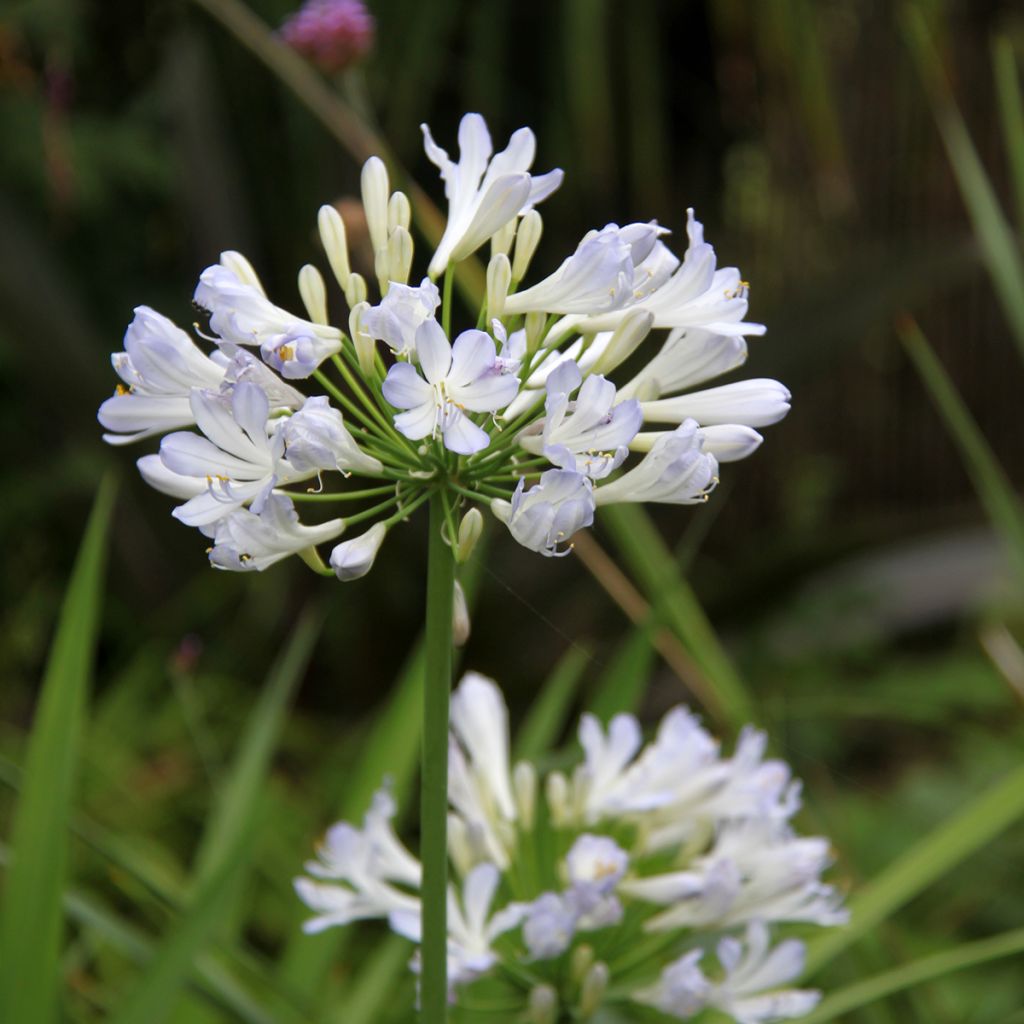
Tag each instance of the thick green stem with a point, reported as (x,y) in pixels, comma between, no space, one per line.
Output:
(434,792)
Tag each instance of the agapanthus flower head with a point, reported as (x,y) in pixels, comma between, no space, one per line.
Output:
(333,34)
(368,412)
(675,860)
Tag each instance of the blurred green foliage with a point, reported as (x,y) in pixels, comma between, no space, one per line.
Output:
(846,579)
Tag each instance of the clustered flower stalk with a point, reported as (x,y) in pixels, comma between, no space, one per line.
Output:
(515,414)
(650,876)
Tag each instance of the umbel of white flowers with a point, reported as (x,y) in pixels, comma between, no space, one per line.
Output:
(672,860)
(517,413)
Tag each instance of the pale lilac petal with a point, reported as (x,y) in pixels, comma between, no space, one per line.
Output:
(404,388)
(433,350)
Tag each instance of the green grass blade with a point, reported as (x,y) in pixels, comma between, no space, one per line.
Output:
(650,560)
(216,984)
(155,994)
(31,919)
(376,983)
(959,836)
(999,246)
(238,799)
(906,976)
(1011,113)
(548,714)
(621,685)
(990,482)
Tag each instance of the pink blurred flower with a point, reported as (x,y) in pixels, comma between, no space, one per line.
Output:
(332,33)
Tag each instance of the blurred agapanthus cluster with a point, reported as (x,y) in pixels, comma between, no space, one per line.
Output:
(516,413)
(651,874)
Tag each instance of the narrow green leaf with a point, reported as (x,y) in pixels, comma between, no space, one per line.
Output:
(375,984)
(548,713)
(938,965)
(155,994)
(31,919)
(999,246)
(238,799)
(622,683)
(215,983)
(651,562)
(990,482)
(928,860)
(1011,112)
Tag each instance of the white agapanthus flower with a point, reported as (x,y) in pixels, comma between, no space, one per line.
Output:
(675,859)
(520,409)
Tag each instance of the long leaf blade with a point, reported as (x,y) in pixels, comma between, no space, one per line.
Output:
(960,835)
(987,475)
(938,965)
(32,919)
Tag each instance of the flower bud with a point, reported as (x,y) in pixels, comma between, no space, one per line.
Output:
(314,294)
(499,277)
(501,241)
(242,269)
(356,291)
(542,1005)
(470,528)
(461,626)
(335,243)
(632,329)
(399,261)
(399,211)
(331,33)
(557,792)
(374,183)
(535,324)
(592,990)
(527,239)
(524,786)
(354,558)
(362,342)
(581,962)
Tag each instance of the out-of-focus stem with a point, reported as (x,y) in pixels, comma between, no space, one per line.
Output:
(434,790)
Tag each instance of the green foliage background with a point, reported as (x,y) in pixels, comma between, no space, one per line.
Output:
(857,582)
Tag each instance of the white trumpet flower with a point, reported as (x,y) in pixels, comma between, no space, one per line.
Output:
(484,193)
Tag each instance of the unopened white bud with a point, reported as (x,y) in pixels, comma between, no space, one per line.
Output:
(593,989)
(632,329)
(499,277)
(242,269)
(557,792)
(542,1005)
(647,391)
(531,227)
(399,211)
(374,182)
(356,291)
(381,270)
(524,786)
(364,345)
(461,626)
(581,961)
(535,324)
(470,528)
(314,293)
(501,241)
(352,559)
(335,243)
(459,848)
(399,255)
